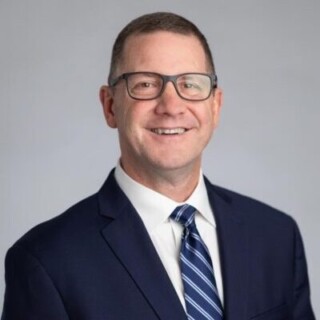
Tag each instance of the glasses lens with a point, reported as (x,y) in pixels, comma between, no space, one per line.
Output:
(144,85)
(194,86)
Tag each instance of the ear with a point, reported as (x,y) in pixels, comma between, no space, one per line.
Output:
(217,104)
(107,101)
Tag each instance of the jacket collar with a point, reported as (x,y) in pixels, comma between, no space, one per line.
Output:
(233,247)
(127,237)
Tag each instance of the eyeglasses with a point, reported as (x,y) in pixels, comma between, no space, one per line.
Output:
(150,85)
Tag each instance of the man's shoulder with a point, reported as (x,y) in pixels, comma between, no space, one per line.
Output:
(247,207)
(67,228)
(77,216)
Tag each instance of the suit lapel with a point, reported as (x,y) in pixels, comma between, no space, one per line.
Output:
(233,245)
(130,242)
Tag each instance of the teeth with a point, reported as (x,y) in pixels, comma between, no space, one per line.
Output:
(169,131)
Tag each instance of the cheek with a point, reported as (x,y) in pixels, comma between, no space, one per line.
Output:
(134,114)
(121,113)
(207,117)
(213,115)
(128,121)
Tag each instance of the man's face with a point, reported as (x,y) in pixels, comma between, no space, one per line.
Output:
(139,123)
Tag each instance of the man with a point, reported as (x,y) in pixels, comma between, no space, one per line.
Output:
(158,241)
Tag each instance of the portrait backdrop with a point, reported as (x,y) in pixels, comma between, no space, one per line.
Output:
(55,145)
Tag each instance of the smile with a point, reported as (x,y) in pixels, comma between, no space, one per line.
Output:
(173,131)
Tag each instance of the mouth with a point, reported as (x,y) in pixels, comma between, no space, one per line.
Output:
(172,131)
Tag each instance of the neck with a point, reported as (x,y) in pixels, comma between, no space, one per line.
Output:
(176,184)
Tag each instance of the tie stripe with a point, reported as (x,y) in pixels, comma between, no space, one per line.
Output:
(200,256)
(197,271)
(200,292)
(202,311)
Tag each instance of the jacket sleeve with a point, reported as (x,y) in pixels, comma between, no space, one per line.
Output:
(301,294)
(30,293)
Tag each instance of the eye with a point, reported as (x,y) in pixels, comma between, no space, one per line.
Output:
(144,84)
(191,85)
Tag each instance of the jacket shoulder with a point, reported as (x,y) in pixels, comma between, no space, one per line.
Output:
(68,227)
(247,207)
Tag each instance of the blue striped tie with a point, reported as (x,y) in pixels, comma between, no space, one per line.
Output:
(200,290)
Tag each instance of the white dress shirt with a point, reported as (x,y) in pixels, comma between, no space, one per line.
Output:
(165,233)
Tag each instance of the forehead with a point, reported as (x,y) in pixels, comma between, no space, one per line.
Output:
(163,52)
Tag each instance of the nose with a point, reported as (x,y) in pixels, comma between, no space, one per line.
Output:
(170,102)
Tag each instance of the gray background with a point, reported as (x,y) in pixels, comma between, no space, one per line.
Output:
(56,149)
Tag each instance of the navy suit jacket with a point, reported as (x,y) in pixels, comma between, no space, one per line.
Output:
(96,261)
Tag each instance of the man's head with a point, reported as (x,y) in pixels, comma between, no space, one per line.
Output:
(158,21)
(165,117)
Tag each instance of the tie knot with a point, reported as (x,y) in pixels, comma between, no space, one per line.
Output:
(184,214)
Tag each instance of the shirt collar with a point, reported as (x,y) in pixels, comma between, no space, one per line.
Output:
(154,208)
